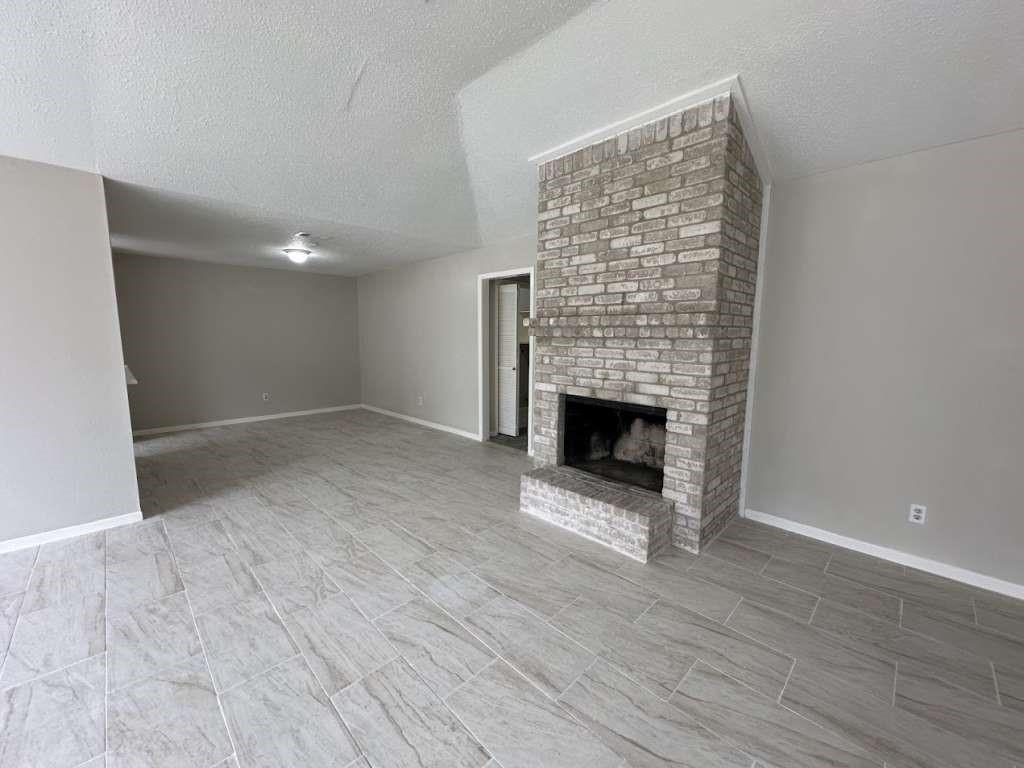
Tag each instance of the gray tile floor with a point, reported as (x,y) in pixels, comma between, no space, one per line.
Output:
(352,590)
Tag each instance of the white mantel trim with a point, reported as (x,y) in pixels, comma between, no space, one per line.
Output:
(728,85)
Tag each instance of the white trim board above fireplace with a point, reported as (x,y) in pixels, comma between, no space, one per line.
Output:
(728,85)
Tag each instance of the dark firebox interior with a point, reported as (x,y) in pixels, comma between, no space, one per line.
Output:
(619,441)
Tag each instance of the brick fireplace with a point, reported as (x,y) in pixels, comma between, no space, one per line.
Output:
(646,268)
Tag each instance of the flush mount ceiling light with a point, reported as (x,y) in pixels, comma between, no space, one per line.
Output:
(297,255)
(299,251)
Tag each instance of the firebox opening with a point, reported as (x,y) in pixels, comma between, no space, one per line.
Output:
(620,441)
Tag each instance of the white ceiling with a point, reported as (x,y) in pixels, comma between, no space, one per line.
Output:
(225,130)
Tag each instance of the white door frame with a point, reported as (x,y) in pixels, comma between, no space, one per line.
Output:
(483,331)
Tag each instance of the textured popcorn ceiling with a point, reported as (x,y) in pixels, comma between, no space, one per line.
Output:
(227,128)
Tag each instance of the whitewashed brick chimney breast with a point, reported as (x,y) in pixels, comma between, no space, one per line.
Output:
(646,267)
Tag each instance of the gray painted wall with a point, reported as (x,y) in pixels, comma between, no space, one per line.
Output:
(418,333)
(206,340)
(65,438)
(891,361)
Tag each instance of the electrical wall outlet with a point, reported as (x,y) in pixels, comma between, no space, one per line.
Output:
(918,512)
(266,397)
(419,399)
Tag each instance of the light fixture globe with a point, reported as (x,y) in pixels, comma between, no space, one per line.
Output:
(296,255)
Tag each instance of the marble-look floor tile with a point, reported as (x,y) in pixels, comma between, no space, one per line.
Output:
(449,584)
(195,545)
(772,594)
(813,579)
(141,580)
(338,642)
(170,720)
(54,721)
(148,639)
(981,641)
(441,651)
(759,726)
(542,591)
(258,544)
(493,546)
(276,492)
(180,517)
(744,658)
(513,536)
(331,541)
(906,585)
(51,638)
(67,571)
(891,735)
(848,558)
(522,728)
(889,642)
(219,581)
(615,593)
(737,554)
(299,516)
(358,471)
(673,583)
(650,659)
(644,730)
(812,645)
(295,582)
(15,568)
(373,586)
(394,545)
(1011,687)
(547,657)
(953,710)
(10,607)
(283,718)
(448,537)
(243,640)
(1000,613)
(772,541)
(598,554)
(130,542)
(400,723)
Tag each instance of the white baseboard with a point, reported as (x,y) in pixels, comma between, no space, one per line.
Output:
(243,420)
(70,532)
(951,572)
(423,422)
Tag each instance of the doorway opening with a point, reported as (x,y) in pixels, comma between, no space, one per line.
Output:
(506,358)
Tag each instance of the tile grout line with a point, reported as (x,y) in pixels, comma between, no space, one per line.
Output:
(789,675)
(725,621)
(202,643)
(497,655)
(814,610)
(995,682)
(472,677)
(21,611)
(699,724)
(298,647)
(645,611)
(580,676)
(780,704)
(249,679)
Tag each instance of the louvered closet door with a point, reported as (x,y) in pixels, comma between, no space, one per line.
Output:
(507,358)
